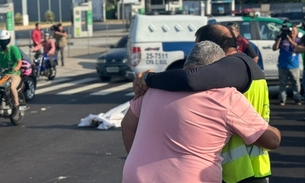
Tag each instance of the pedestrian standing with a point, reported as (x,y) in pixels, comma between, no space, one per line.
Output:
(36,38)
(301,49)
(288,63)
(243,44)
(60,36)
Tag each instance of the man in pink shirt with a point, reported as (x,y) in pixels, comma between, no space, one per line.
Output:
(178,136)
(48,47)
(36,35)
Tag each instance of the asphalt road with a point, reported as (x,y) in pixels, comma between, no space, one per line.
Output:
(50,148)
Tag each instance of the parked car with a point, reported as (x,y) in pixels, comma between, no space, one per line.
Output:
(113,62)
(28,74)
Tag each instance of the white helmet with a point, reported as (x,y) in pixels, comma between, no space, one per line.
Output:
(4,35)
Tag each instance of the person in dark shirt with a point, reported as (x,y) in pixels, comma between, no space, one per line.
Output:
(235,70)
(230,71)
(242,43)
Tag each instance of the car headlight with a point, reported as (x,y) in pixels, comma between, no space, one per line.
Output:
(101,60)
(124,60)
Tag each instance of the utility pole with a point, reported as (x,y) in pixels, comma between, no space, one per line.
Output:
(147,6)
(59,7)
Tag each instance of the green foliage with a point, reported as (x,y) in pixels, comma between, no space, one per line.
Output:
(110,3)
(18,19)
(49,16)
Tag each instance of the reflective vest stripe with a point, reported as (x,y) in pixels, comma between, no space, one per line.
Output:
(240,152)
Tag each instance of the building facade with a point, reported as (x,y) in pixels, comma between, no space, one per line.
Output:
(62,9)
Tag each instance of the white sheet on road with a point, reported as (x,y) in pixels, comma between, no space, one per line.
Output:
(107,120)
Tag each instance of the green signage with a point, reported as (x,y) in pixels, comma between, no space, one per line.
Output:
(9,21)
(89,17)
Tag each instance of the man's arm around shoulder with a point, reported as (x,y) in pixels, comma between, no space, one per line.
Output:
(270,139)
(129,126)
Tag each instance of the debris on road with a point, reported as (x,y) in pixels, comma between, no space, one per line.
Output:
(104,121)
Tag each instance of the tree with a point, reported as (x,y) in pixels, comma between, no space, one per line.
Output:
(49,16)
(18,19)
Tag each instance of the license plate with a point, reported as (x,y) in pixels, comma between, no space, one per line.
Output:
(112,69)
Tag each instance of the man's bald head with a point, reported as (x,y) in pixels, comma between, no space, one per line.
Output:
(218,34)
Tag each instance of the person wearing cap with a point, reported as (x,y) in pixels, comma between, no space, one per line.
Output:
(10,58)
(243,43)
(48,47)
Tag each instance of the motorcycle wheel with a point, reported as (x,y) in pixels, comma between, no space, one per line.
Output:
(52,73)
(19,120)
(29,91)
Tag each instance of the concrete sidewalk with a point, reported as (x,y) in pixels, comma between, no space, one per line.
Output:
(81,53)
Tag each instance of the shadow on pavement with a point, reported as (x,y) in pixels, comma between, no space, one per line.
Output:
(288,161)
(87,65)
(88,56)
(73,127)
(286,180)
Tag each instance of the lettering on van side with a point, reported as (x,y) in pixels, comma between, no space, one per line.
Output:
(157,58)
(272,58)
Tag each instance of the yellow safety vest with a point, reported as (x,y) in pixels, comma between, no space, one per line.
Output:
(240,160)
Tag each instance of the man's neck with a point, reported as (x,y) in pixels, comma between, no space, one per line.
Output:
(231,51)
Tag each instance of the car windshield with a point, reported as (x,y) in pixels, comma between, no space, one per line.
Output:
(122,42)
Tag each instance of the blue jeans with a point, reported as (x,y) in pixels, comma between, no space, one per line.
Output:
(294,76)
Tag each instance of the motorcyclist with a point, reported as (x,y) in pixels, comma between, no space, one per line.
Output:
(48,48)
(10,58)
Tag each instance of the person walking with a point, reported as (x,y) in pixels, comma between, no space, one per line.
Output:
(288,64)
(60,36)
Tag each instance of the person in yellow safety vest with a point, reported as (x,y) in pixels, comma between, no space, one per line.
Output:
(241,163)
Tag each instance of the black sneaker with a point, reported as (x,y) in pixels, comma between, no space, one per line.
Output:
(15,112)
(298,102)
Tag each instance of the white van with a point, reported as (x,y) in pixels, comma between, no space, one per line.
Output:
(161,42)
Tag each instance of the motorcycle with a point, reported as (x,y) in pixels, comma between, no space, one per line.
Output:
(28,75)
(6,98)
(43,66)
